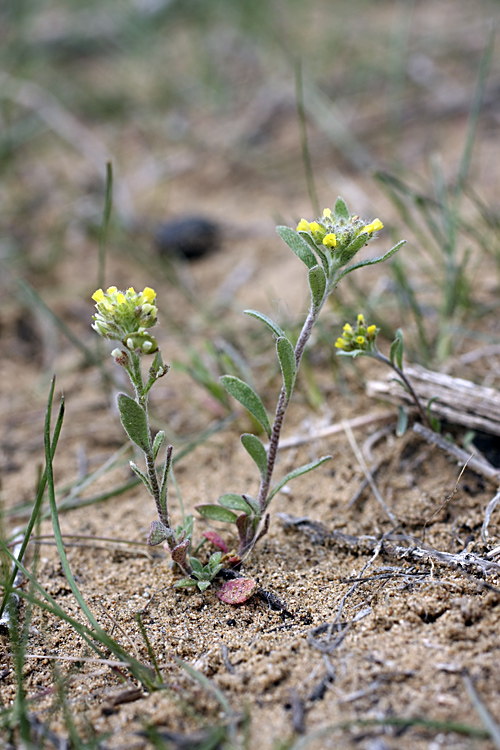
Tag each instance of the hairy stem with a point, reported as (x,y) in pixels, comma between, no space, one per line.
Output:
(282,405)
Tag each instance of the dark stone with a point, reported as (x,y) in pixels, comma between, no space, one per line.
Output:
(190,237)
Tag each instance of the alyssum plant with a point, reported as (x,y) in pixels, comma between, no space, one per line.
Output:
(327,247)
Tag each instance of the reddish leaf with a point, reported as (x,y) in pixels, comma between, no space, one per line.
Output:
(216,540)
(237,591)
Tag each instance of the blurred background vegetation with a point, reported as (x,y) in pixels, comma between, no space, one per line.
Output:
(202,108)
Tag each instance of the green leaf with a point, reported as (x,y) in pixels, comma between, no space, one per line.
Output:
(158,442)
(248,398)
(214,561)
(286,356)
(158,533)
(270,323)
(297,473)
(402,422)
(317,284)
(253,503)
(134,421)
(203,585)
(185,582)
(340,210)
(371,261)
(256,450)
(141,476)
(196,565)
(235,502)
(298,246)
(216,513)
(397,347)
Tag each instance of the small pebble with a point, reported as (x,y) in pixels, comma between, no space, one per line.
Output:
(189,237)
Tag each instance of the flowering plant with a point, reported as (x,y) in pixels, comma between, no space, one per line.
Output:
(326,246)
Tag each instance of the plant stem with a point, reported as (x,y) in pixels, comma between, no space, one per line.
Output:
(141,396)
(282,405)
(386,361)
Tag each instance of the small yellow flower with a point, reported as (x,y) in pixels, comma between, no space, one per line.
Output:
(111,290)
(131,291)
(98,296)
(361,319)
(149,294)
(341,343)
(360,340)
(330,240)
(371,330)
(315,227)
(348,328)
(327,213)
(375,226)
(303,226)
(120,298)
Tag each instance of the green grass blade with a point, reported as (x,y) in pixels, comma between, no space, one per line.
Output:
(36,507)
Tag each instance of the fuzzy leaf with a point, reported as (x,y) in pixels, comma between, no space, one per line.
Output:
(298,246)
(237,591)
(158,441)
(270,323)
(216,513)
(179,553)
(286,356)
(216,540)
(256,450)
(235,502)
(317,284)
(158,533)
(203,585)
(253,503)
(185,583)
(402,422)
(340,210)
(297,473)
(396,352)
(134,421)
(248,398)
(196,565)
(371,261)
(141,476)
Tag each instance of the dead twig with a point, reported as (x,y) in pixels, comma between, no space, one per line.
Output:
(481,467)
(487,516)
(369,478)
(337,428)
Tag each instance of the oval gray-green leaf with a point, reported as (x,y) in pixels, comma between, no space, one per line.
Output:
(286,356)
(256,450)
(297,473)
(268,321)
(341,210)
(317,284)
(235,502)
(248,398)
(134,421)
(217,513)
(298,246)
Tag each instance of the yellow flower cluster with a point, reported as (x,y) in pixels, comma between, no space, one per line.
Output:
(125,316)
(361,338)
(345,231)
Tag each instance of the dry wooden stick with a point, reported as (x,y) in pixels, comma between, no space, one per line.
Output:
(479,466)
(458,401)
(338,427)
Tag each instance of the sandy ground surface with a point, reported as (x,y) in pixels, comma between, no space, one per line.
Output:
(365,634)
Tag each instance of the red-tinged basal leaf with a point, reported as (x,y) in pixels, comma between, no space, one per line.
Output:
(237,591)
(216,540)
(179,552)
